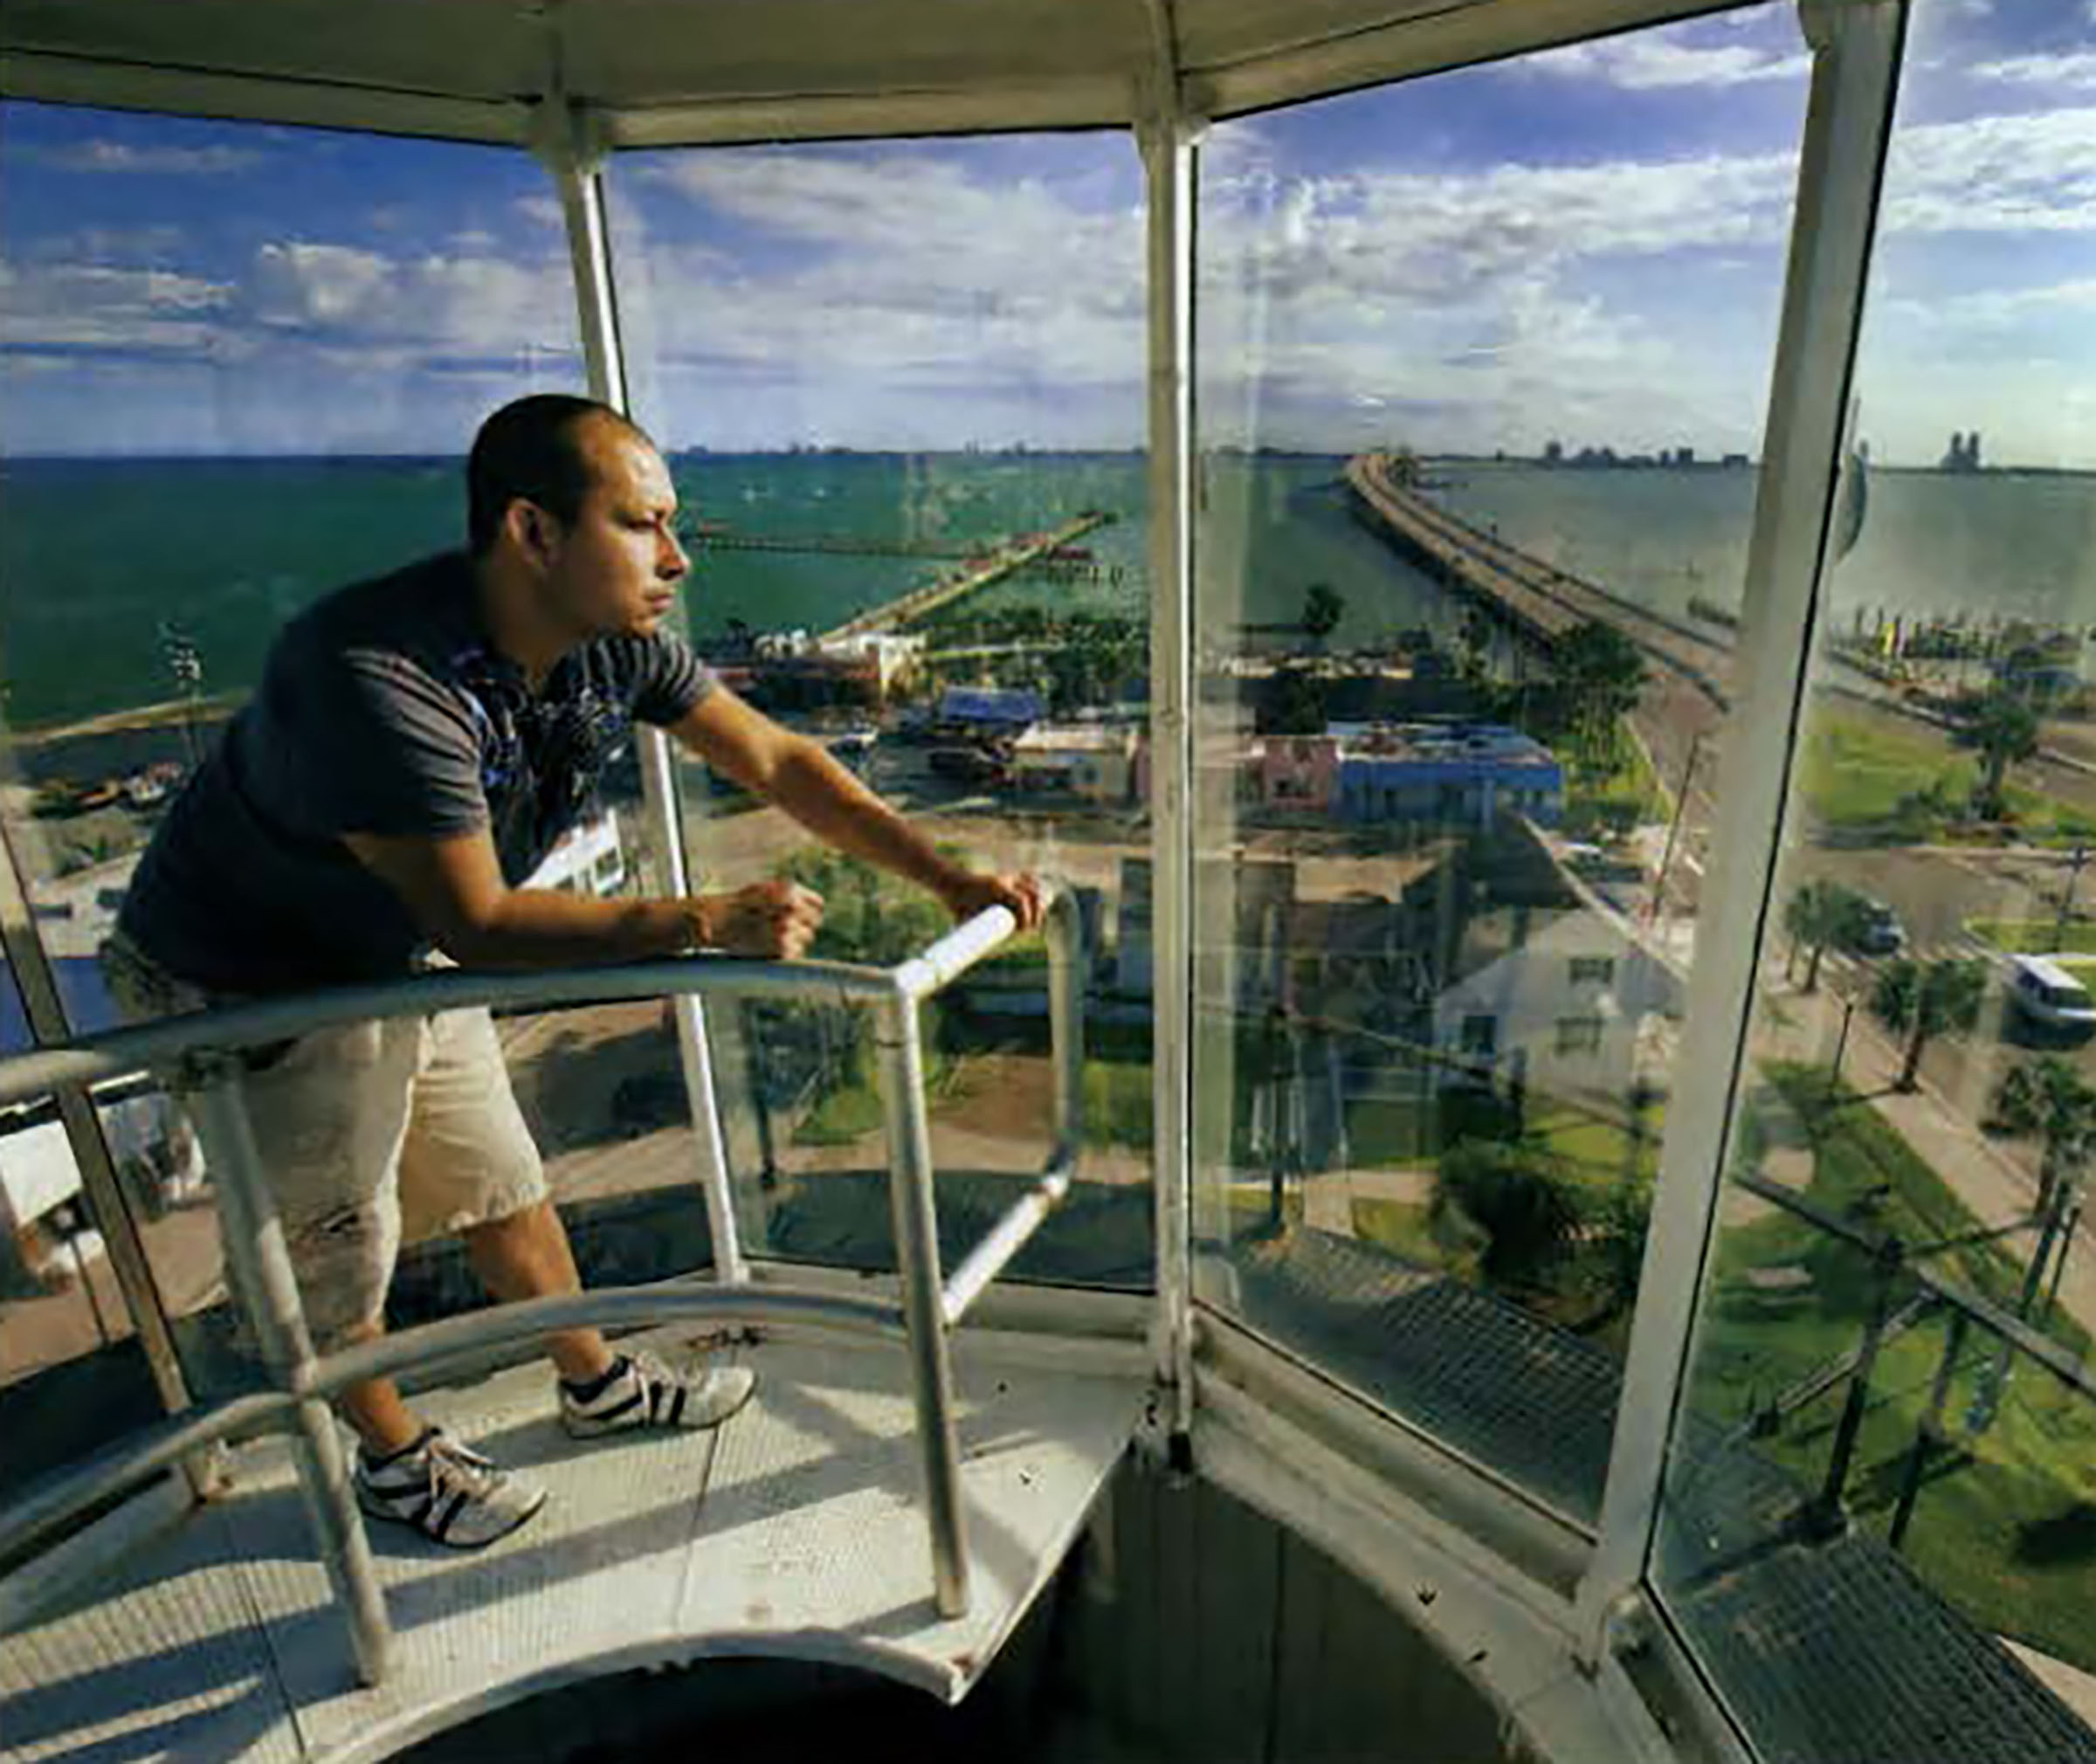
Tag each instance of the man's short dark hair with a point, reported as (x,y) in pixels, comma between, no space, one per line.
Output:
(531,449)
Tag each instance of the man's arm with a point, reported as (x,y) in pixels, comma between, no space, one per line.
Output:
(453,886)
(803,778)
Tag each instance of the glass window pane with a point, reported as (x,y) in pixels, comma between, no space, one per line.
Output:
(1915,1124)
(72,1375)
(901,383)
(1481,362)
(240,369)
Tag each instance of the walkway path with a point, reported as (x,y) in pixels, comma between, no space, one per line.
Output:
(1996,1179)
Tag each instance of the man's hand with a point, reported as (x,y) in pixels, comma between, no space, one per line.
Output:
(775,919)
(970,893)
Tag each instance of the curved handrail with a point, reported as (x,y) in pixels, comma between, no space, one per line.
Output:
(116,1053)
(199,1043)
(56,1500)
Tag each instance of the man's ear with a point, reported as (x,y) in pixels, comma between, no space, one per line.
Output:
(532,530)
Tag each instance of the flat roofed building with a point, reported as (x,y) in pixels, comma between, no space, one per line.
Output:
(1449,774)
(1093,761)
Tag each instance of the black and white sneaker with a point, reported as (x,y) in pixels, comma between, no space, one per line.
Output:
(642,1391)
(447,1491)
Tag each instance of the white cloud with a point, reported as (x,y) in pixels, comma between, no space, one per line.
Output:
(118,156)
(1654,62)
(543,210)
(461,301)
(1996,174)
(896,267)
(76,305)
(2011,315)
(2074,68)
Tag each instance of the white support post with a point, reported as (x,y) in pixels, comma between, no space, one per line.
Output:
(566,144)
(1167,144)
(1856,61)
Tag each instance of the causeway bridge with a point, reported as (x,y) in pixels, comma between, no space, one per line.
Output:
(1537,598)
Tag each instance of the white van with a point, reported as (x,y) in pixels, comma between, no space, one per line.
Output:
(2048,996)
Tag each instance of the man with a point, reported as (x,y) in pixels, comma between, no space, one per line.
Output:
(415,748)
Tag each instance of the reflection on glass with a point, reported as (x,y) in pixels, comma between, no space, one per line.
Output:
(1889,1401)
(900,385)
(239,370)
(1480,361)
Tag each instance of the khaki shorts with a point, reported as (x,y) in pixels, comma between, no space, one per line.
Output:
(371,1135)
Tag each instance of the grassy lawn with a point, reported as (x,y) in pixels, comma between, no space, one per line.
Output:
(1599,1150)
(2034,936)
(1118,1103)
(848,1113)
(2006,1527)
(1382,1133)
(1618,792)
(1401,1227)
(1857,773)
(1863,774)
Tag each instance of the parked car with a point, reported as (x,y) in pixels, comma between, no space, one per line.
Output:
(1876,930)
(2046,995)
(969,765)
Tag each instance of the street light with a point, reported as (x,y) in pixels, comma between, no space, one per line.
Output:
(2066,895)
(185,664)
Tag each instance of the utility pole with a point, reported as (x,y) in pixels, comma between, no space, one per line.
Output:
(2066,895)
(1674,829)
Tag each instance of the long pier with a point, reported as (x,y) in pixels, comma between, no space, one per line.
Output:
(934,596)
(831,544)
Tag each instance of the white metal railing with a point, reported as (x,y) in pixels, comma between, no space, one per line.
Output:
(200,1047)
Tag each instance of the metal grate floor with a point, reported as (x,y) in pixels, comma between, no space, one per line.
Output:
(797,1531)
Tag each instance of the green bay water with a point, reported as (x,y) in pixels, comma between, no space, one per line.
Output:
(95,554)
(1933,543)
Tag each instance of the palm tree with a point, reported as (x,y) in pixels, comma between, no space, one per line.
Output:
(1514,1200)
(1323,608)
(2047,1099)
(1924,1000)
(2003,727)
(1820,914)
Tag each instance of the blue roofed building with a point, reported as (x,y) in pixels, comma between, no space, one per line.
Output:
(992,709)
(1466,775)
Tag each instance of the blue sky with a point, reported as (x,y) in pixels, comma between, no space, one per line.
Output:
(1586,245)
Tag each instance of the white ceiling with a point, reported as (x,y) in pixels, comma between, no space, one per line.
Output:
(662,70)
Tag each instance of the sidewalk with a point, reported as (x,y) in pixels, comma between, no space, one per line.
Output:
(1996,1179)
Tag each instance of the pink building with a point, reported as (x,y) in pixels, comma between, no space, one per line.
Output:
(1297,771)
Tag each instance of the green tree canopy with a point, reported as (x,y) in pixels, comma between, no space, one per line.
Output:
(1820,914)
(1323,608)
(1924,1000)
(1515,1199)
(2048,1099)
(2003,725)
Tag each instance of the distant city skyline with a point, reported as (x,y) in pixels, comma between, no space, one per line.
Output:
(1586,244)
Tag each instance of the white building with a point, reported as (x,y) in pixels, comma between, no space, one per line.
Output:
(1562,1011)
(1095,762)
(588,860)
(893,654)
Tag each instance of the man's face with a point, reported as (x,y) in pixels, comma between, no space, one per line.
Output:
(614,570)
